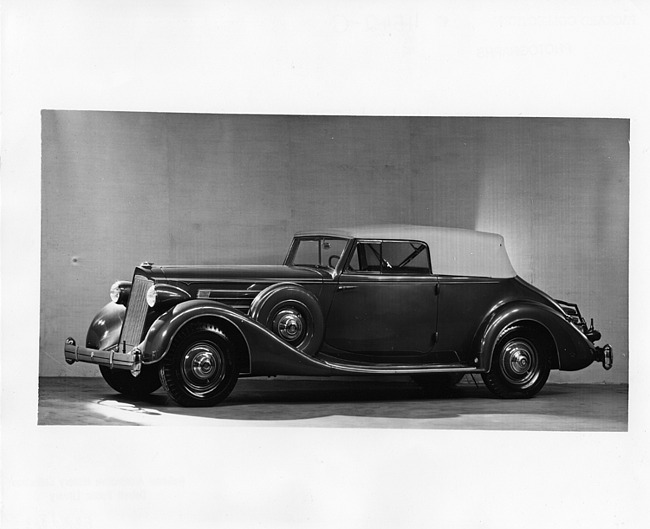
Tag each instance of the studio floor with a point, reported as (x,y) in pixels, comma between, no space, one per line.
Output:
(336,403)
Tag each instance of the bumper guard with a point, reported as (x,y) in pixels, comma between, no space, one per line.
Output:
(131,361)
(605,355)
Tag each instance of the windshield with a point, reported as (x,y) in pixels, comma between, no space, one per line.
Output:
(317,252)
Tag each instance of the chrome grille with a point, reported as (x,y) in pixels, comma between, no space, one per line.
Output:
(136,313)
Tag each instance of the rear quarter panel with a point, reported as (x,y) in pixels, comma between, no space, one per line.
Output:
(474,311)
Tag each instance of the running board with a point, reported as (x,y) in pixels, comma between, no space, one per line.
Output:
(392,369)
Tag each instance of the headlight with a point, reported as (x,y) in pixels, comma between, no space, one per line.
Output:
(120,291)
(160,294)
(151,296)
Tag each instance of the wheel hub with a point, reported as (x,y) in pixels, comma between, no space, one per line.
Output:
(202,367)
(519,362)
(289,324)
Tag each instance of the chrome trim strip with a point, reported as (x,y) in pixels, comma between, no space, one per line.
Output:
(265,280)
(228,294)
(402,369)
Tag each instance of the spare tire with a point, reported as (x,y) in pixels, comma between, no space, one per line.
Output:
(293,314)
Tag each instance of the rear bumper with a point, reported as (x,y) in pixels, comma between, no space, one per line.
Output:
(131,361)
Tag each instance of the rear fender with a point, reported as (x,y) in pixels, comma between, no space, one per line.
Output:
(572,350)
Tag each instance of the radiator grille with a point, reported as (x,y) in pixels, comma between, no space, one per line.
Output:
(136,312)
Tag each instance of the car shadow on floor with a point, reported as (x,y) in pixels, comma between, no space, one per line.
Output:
(260,400)
(382,403)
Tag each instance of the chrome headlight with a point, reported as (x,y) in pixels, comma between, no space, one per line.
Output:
(161,293)
(152,295)
(120,291)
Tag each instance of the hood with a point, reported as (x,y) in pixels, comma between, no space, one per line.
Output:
(266,273)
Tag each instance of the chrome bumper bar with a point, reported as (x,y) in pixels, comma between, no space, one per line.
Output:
(131,361)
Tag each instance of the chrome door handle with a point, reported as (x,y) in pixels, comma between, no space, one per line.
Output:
(347,287)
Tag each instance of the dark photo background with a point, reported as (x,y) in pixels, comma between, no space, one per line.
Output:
(120,188)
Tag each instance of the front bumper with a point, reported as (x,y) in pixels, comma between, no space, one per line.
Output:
(604,355)
(131,361)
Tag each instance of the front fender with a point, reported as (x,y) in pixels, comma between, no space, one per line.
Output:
(104,330)
(271,355)
(573,350)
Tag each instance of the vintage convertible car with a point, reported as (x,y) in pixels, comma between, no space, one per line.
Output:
(433,303)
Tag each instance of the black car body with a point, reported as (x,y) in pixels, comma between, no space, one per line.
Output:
(434,303)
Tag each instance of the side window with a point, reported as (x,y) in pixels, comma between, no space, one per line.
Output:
(365,258)
(390,257)
(353,263)
(405,258)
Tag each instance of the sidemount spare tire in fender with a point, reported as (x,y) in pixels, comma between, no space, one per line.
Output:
(293,314)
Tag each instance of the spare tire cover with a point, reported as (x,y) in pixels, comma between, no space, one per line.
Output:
(293,314)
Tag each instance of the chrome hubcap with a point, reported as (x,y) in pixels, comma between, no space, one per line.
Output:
(519,362)
(202,368)
(289,324)
(204,365)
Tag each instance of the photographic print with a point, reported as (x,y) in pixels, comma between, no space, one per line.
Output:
(413,235)
(372,271)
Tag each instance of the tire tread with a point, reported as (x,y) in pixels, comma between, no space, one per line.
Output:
(493,379)
(172,383)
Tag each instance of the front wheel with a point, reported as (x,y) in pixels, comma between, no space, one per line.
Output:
(200,369)
(520,365)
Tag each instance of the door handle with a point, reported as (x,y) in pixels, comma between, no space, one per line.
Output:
(347,287)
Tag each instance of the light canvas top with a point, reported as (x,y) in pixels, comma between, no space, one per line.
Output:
(453,251)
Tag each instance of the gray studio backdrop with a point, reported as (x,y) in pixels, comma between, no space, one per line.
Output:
(120,188)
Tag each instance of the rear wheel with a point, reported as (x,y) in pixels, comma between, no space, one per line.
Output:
(520,365)
(200,368)
(124,382)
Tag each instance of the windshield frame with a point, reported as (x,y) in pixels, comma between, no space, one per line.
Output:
(293,249)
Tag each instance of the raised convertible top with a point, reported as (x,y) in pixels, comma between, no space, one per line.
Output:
(454,251)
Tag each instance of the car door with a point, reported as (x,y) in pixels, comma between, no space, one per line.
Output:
(385,301)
